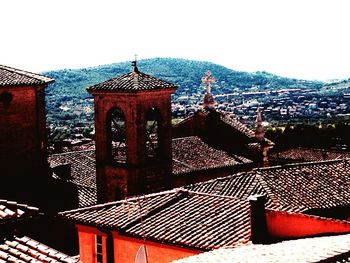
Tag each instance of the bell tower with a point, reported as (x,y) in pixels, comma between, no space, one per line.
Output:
(133,135)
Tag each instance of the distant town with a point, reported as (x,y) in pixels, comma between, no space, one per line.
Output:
(278,106)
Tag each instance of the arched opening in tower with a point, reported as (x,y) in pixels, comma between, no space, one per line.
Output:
(152,132)
(117,135)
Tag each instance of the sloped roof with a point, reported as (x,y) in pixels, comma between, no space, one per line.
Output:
(309,155)
(316,249)
(228,118)
(192,154)
(132,82)
(296,187)
(310,186)
(24,249)
(231,120)
(13,210)
(83,173)
(16,77)
(179,217)
(241,186)
(189,154)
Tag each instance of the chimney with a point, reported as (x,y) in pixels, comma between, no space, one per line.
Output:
(258,226)
(63,171)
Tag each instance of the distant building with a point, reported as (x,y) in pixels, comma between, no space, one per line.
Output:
(296,155)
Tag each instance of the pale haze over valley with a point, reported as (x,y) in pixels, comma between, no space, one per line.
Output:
(291,38)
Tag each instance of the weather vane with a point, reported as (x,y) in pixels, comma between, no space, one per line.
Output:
(208,79)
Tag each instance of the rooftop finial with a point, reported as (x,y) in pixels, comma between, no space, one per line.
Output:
(207,79)
(134,64)
(208,100)
(259,131)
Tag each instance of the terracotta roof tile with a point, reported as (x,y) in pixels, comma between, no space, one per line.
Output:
(83,173)
(232,120)
(25,249)
(178,217)
(10,209)
(309,155)
(189,154)
(192,154)
(132,82)
(316,249)
(296,188)
(15,77)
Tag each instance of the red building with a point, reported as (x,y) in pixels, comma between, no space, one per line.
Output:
(22,124)
(222,130)
(25,174)
(179,223)
(133,135)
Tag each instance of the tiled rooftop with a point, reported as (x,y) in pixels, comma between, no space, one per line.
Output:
(295,188)
(9,210)
(132,82)
(179,217)
(83,166)
(316,249)
(309,155)
(241,186)
(192,154)
(24,249)
(189,154)
(232,120)
(15,77)
(83,173)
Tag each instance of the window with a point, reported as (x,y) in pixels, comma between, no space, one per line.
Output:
(99,254)
(117,135)
(152,132)
(6,97)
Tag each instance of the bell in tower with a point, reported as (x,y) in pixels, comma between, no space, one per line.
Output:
(133,135)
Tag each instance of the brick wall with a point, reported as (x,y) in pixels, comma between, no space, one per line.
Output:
(22,129)
(137,169)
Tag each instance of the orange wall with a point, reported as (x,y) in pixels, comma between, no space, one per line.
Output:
(87,244)
(125,249)
(287,225)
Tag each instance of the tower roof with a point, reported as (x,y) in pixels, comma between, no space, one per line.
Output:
(134,81)
(16,77)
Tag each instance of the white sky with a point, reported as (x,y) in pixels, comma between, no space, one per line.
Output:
(295,38)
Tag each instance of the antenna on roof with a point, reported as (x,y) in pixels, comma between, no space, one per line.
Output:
(134,64)
(141,255)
